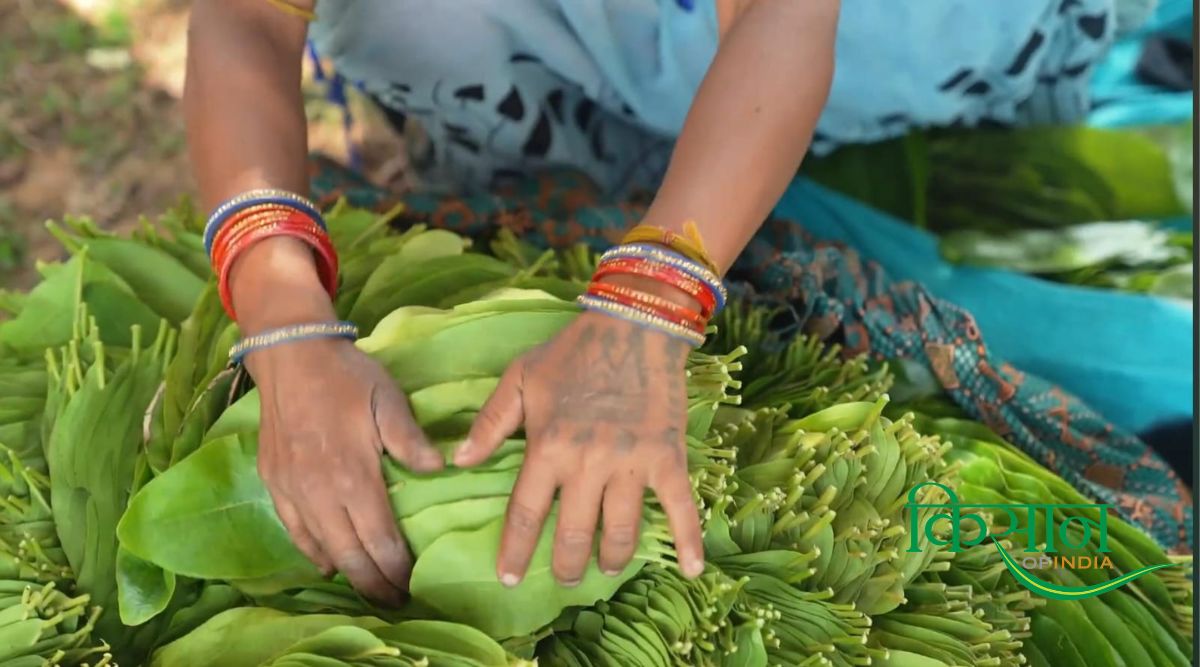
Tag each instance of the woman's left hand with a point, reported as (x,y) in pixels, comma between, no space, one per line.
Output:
(604,405)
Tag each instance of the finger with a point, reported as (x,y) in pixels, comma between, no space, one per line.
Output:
(301,536)
(578,512)
(499,418)
(331,525)
(674,491)
(399,432)
(622,512)
(531,499)
(371,516)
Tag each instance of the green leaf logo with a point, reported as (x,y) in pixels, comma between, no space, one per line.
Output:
(1057,592)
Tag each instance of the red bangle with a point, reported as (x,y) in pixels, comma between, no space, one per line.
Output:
(650,303)
(664,273)
(240,229)
(296,225)
(248,216)
(643,307)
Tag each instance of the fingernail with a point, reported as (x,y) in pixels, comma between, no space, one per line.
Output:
(460,454)
(570,584)
(693,567)
(611,573)
(510,580)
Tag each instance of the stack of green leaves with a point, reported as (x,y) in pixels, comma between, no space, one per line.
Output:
(254,637)
(452,519)
(99,397)
(1147,621)
(799,372)
(1133,256)
(41,626)
(963,610)
(801,466)
(29,545)
(23,386)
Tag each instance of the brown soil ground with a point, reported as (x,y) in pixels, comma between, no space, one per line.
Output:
(90,121)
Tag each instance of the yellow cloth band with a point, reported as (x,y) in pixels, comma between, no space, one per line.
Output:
(288,8)
(688,244)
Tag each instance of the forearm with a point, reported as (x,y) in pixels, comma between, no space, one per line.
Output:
(750,124)
(246,130)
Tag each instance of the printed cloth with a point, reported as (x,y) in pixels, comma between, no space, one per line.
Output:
(844,296)
(603,86)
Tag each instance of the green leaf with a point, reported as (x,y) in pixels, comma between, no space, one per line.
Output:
(48,314)
(457,576)
(450,638)
(213,497)
(248,637)
(143,589)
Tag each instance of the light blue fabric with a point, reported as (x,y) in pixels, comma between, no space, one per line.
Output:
(1128,356)
(1120,99)
(899,65)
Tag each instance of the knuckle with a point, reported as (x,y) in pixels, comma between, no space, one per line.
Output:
(523,518)
(489,419)
(621,535)
(345,480)
(573,539)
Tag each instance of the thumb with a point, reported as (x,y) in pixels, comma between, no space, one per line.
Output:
(499,418)
(399,432)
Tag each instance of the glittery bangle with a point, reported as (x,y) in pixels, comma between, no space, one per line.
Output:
(664,256)
(291,334)
(640,318)
(298,226)
(664,273)
(254,198)
(239,227)
(650,303)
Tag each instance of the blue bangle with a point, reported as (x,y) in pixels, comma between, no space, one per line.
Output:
(678,260)
(222,213)
(290,334)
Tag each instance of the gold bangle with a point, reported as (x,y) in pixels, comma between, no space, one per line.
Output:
(657,255)
(288,8)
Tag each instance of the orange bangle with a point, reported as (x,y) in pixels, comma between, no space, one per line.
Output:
(298,226)
(238,219)
(664,273)
(651,302)
(239,228)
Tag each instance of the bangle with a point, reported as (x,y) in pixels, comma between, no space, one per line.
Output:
(288,8)
(646,251)
(254,198)
(239,227)
(650,303)
(665,274)
(297,226)
(688,244)
(290,334)
(640,318)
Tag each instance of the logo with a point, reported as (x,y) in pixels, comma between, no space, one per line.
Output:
(1074,531)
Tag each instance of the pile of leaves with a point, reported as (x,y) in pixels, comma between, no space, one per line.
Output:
(1048,201)
(134,527)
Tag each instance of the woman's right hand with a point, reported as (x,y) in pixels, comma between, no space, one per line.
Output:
(328,414)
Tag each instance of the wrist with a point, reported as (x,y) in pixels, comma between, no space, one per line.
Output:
(275,283)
